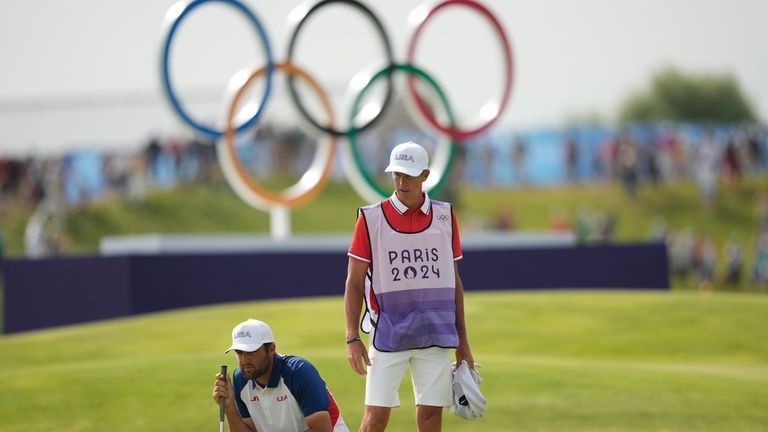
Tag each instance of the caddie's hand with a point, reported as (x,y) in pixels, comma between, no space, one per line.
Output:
(222,386)
(463,353)
(357,355)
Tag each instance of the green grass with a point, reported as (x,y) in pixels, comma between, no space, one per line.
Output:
(552,361)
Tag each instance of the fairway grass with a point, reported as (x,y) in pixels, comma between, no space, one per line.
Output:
(551,361)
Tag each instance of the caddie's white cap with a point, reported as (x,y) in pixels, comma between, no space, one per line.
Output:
(250,335)
(469,403)
(408,158)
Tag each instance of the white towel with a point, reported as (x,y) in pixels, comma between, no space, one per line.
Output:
(468,402)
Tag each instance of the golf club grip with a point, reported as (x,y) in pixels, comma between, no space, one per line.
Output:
(221,400)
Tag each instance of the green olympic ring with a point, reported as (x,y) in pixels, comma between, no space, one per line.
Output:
(441,162)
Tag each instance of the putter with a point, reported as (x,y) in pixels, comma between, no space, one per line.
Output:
(221,401)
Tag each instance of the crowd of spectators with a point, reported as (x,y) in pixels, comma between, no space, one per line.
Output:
(48,187)
(695,260)
(77,178)
(718,158)
(713,157)
(707,156)
(631,155)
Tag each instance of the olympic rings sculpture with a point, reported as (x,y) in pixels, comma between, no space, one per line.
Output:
(318,173)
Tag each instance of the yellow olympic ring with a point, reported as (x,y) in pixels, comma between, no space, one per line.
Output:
(313,180)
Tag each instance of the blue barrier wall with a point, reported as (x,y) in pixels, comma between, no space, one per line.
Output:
(51,292)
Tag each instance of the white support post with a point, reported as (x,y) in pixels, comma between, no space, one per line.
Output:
(280,222)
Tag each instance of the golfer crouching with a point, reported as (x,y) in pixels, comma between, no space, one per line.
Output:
(273,392)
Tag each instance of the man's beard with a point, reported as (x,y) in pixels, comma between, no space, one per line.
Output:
(254,373)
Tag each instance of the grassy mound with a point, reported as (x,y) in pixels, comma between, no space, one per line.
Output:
(216,209)
(576,361)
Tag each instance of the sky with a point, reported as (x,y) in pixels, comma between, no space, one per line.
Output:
(85,73)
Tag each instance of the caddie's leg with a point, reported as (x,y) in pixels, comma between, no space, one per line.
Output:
(375,418)
(381,386)
(429,418)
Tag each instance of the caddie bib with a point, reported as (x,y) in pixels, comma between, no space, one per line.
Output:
(412,278)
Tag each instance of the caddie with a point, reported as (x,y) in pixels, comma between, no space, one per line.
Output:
(403,265)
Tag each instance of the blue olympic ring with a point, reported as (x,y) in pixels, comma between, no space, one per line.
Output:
(173,21)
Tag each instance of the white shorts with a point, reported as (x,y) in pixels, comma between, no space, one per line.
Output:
(430,374)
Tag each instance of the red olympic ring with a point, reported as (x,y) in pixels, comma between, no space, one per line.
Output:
(456,132)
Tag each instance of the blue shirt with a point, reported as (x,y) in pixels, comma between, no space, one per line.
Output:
(295,390)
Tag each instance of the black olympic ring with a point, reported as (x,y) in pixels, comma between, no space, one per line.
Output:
(291,80)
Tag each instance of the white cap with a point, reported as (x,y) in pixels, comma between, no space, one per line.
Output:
(408,158)
(468,402)
(250,335)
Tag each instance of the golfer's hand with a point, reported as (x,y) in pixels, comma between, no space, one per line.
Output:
(357,355)
(222,386)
